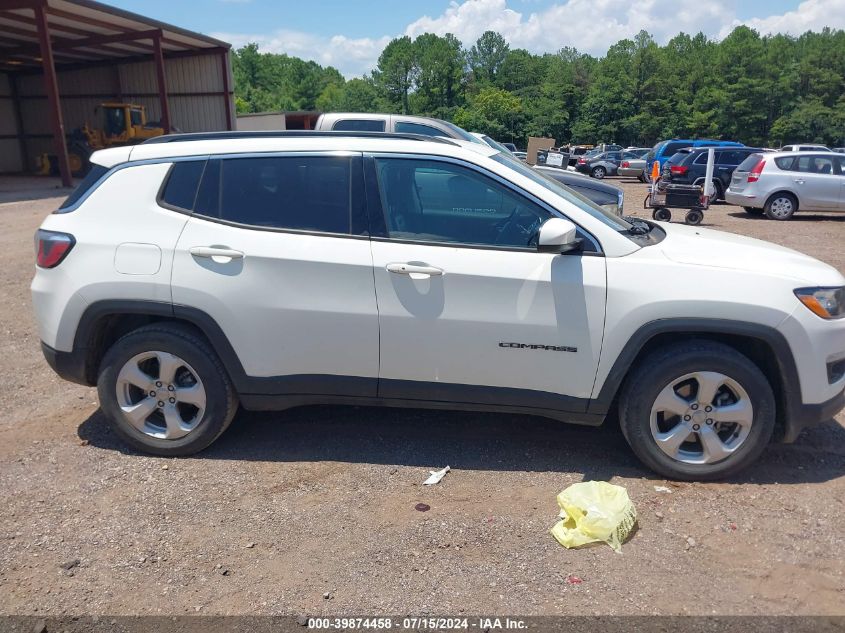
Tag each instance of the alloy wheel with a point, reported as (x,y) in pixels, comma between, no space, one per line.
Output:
(701,417)
(160,395)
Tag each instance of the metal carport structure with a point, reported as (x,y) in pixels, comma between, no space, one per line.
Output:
(59,58)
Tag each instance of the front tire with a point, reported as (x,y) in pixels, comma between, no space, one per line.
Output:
(697,410)
(781,206)
(165,391)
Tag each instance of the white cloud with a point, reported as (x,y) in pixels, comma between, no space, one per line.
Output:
(588,25)
(810,15)
(352,57)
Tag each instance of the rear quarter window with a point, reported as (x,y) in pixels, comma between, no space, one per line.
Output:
(403,127)
(87,184)
(180,189)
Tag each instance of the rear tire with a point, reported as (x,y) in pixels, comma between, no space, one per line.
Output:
(194,380)
(781,206)
(718,194)
(707,448)
(598,172)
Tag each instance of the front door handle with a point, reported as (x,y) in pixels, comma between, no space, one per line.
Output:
(215,251)
(799,181)
(413,269)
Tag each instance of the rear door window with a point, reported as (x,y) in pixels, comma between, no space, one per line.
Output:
(359,125)
(825,165)
(306,193)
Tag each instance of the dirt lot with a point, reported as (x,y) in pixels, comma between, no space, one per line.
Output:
(312,510)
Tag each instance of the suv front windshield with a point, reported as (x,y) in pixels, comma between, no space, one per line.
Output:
(610,219)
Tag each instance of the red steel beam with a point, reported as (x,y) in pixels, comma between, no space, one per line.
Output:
(224,64)
(87,42)
(23,19)
(52,89)
(161,79)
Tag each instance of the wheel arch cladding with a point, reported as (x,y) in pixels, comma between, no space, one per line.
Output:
(105,322)
(764,346)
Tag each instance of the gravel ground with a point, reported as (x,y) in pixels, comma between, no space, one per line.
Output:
(312,510)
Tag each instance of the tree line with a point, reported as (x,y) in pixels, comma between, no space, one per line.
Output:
(761,90)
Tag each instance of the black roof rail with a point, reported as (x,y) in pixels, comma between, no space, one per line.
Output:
(216,136)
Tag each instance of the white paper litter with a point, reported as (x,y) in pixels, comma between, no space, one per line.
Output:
(662,489)
(436,476)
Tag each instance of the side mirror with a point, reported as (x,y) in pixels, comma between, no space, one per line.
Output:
(558,236)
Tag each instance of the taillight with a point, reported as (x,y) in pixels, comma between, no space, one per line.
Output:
(680,170)
(581,161)
(625,163)
(754,174)
(51,247)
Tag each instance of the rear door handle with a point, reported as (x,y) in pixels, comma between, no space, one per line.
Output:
(799,181)
(215,251)
(413,269)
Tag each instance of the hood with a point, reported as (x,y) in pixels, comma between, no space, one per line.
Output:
(706,247)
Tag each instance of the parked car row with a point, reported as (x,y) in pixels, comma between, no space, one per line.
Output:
(800,176)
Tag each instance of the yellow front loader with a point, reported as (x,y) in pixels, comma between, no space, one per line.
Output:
(122,124)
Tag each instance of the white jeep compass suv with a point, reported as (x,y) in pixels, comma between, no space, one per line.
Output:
(193,273)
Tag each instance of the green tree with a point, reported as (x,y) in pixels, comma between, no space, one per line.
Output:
(439,71)
(492,111)
(396,72)
(487,56)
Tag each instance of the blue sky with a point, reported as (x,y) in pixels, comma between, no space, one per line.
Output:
(350,35)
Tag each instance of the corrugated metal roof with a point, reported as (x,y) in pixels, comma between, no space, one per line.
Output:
(85,31)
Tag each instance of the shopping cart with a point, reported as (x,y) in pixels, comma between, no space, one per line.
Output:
(663,195)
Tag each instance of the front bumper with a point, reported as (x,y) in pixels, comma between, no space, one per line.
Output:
(807,415)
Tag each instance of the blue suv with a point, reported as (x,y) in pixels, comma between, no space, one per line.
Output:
(664,150)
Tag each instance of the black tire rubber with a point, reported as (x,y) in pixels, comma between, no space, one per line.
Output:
(753,210)
(658,369)
(718,193)
(598,170)
(694,217)
(221,399)
(768,208)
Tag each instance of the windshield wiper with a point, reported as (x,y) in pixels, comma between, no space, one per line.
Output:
(638,227)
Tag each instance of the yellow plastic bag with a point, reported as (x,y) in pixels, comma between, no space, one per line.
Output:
(593,511)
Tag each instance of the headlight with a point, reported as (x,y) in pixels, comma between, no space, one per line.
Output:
(828,303)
